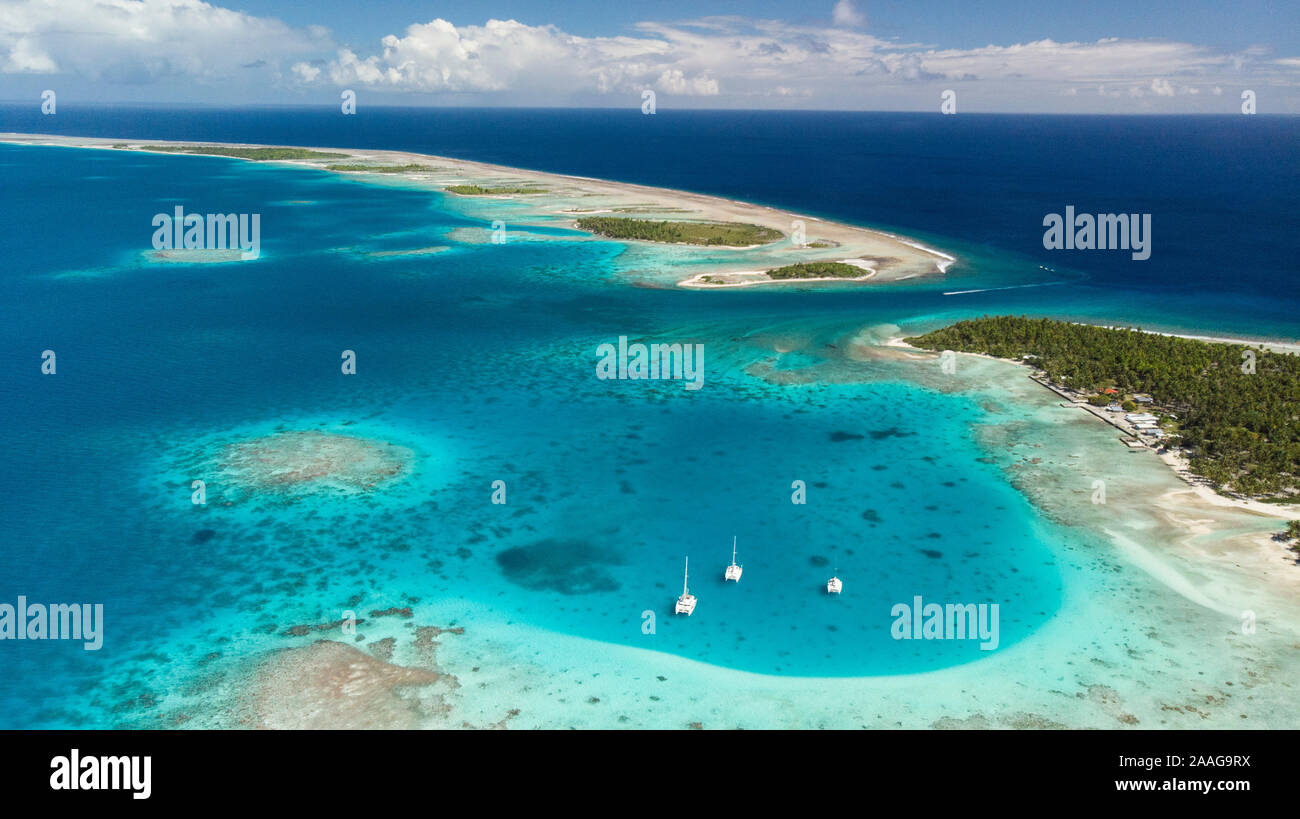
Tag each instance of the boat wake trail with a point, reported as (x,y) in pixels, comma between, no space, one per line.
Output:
(1009,287)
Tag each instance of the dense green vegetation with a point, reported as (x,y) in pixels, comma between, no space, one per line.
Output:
(1239,424)
(817,270)
(733,234)
(245,153)
(479,190)
(380,168)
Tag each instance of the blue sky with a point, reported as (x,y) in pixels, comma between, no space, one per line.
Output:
(944,22)
(1059,57)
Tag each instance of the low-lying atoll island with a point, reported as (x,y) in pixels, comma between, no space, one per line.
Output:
(244,152)
(1228,409)
(762,245)
(818,270)
(411,167)
(851,270)
(502,190)
(821,270)
(726,234)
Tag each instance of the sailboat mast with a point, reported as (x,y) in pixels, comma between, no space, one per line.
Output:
(733,550)
(686,575)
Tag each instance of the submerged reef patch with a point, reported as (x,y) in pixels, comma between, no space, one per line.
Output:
(311,461)
(566,566)
(332,685)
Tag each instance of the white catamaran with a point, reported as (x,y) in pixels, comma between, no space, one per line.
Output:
(686,603)
(733,571)
(834,586)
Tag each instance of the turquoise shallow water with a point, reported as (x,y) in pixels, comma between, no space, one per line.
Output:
(480,359)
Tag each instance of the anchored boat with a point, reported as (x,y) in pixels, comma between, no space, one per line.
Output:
(733,571)
(834,586)
(686,603)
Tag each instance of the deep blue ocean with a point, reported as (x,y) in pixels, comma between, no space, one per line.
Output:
(479,360)
(1223,191)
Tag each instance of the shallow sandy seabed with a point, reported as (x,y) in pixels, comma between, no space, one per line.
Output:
(1155,630)
(1176,613)
(199,256)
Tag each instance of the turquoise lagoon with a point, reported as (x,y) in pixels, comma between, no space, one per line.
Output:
(479,360)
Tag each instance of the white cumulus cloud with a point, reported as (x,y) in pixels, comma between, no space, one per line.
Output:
(138,41)
(193,47)
(846,14)
(1161,87)
(506,55)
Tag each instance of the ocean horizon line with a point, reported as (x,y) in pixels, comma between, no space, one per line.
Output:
(333,104)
